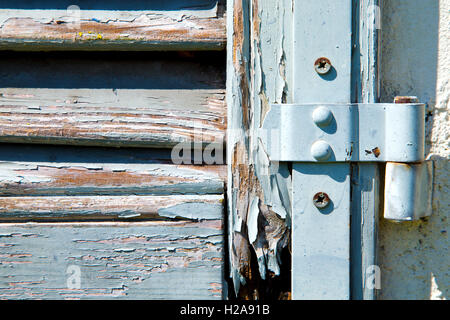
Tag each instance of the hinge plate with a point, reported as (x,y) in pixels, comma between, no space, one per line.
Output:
(345,132)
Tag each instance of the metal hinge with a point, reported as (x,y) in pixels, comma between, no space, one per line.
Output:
(326,133)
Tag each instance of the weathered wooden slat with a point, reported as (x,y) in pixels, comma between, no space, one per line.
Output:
(198,25)
(79,208)
(136,118)
(151,260)
(50,179)
(110,99)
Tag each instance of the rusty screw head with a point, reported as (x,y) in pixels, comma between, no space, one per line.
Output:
(322,66)
(321,200)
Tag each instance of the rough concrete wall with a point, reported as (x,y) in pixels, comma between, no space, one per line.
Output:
(414,257)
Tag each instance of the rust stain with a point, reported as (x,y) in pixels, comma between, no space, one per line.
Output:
(376,152)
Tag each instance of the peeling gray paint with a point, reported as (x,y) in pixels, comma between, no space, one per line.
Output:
(160,260)
(193,211)
(259,56)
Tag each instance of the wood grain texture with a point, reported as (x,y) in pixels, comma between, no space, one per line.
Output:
(50,179)
(192,26)
(259,73)
(80,208)
(102,117)
(151,260)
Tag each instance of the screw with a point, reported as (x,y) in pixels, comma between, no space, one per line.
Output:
(322,65)
(321,200)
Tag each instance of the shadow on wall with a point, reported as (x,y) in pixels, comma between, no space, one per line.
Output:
(414,256)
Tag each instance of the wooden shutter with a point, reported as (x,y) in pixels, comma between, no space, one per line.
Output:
(92,103)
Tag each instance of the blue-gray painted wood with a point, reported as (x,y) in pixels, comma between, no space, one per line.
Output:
(125,207)
(150,100)
(259,72)
(64,178)
(112,25)
(113,117)
(178,254)
(149,260)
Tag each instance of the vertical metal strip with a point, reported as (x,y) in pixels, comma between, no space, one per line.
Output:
(365,186)
(321,237)
(322,28)
(365,176)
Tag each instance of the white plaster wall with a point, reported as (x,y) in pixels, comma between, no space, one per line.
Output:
(414,257)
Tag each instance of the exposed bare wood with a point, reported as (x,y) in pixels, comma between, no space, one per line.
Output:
(84,101)
(151,260)
(113,30)
(259,197)
(41,178)
(143,118)
(108,207)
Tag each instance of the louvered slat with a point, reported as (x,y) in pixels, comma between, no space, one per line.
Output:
(144,25)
